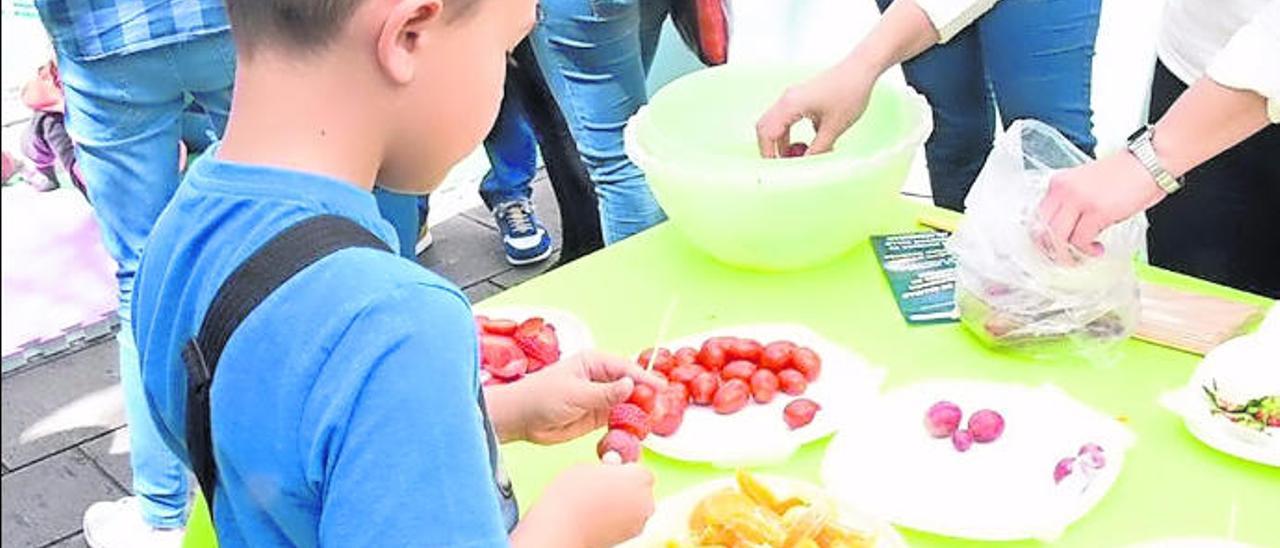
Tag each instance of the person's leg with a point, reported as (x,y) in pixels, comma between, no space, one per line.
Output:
(1039,58)
(401,210)
(590,55)
(512,152)
(123,114)
(508,186)
(952,78)
(575,194)
(1220,226)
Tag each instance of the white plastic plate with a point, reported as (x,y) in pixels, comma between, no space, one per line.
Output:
(1248,356)
(670,519)
(885,461)
(757,434)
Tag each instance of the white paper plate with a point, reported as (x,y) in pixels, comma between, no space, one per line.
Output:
(573,334)
(1235,357)
(757,434)
(886,462)
(670,519)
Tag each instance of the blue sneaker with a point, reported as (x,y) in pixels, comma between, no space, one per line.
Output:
(524,239)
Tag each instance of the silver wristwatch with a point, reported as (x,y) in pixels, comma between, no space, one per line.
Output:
(1142,149)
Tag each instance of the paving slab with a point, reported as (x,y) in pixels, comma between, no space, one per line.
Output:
(482,291)
(465,252)
(74,541)
(111,454)
(45,502)
(518,275)
(52,407)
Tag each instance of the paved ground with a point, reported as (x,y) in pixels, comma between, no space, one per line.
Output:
(64,440)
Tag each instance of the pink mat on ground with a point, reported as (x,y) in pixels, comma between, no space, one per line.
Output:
(56,274)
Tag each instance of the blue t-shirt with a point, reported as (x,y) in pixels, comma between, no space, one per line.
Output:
(344,409)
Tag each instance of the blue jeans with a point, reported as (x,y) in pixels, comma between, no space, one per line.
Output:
(513,162)
(125,115)
(595,55)
(1030,59)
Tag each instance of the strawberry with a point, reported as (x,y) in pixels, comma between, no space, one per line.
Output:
(686,356)
(800,412)
(643,396)
(684,374)
(663,362)
(622,442)
(777,355)
(499,327)
(631,418)
(538,339)
(712,355)
(746,349)
(501,357)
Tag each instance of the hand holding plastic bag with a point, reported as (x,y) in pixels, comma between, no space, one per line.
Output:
(1009,292)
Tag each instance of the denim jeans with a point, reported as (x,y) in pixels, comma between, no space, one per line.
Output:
(1030,59)
(125,114)
(595,55)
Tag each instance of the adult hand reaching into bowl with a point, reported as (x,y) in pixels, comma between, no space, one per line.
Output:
(835,99)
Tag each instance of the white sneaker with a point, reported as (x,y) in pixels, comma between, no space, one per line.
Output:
(119,524)
(424,239)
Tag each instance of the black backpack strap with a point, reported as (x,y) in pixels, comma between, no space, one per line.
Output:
(285,255)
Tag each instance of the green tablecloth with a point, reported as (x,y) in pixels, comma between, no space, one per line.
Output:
(1172,485)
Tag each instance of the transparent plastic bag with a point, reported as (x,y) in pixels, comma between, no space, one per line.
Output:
(1008,292)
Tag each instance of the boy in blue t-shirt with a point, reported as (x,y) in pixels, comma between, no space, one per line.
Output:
(345,407)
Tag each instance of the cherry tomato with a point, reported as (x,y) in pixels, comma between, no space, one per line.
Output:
(686,356)
(738,369)
(764,385)
(703,388)
(662,363)
(777,355)
(712,355)
(806,361)
(746,349)
(792,382)
(732,397)
(685,374)
(800,412)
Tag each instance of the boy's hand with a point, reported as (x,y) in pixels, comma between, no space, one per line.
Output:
(568,399)
(589,506)
(833,101)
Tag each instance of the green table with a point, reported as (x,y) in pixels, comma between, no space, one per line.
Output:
(1172,485)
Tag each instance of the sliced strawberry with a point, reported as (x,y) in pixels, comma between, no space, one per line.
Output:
(631,418)
(502,357)
(538,340)
(500,327)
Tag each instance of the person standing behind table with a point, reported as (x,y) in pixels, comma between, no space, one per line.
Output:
(1028,58)
(126,66)
(595,56)
(1209,164)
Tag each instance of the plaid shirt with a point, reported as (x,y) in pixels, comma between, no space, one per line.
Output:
(91,29)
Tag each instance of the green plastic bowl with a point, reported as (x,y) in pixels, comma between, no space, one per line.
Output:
(696,143)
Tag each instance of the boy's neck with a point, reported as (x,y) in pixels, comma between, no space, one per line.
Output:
(310,117)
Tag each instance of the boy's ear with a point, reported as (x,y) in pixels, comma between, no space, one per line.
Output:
(404,32)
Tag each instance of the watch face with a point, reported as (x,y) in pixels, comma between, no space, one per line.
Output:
(1134,136)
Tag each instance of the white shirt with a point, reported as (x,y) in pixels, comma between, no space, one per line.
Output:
(1234,42)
